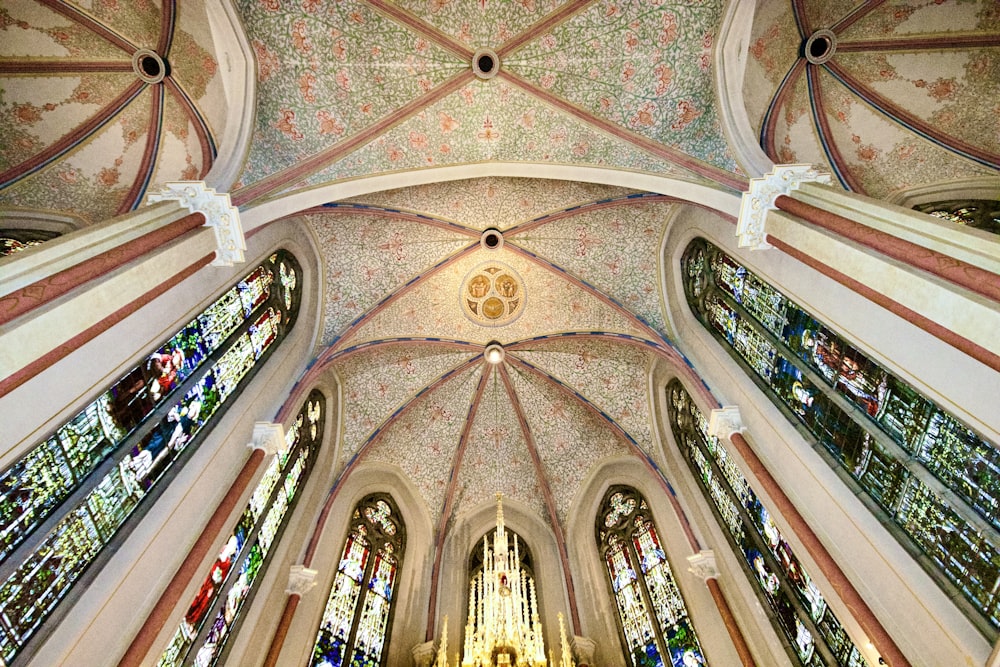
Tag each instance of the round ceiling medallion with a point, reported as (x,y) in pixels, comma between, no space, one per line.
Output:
(820,46)
(485,63)
(492,295)
(148,65)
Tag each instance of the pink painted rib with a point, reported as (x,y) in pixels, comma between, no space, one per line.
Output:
(196,121)
(40,66)
(912,121)
(674,155)
(855,15)
(275,182)
(624,435)
(449,499)
(955,271)
(69,141)
(801,18)
(145,171)
(550,503)
(774,110)
(421,27)
(559,15)
(92,24)
(359,456)
(977,352)
(12,382)
(936,43)
(826,135)
(168,16)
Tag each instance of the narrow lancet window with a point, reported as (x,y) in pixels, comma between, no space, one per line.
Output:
(358,614)
(653,619)
(812,632)
(936,478)
(110,458)
(212,616)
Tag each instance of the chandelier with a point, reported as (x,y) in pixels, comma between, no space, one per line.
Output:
(503,628)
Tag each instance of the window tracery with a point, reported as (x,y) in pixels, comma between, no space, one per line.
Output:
(652,616)
(936,478)
(358,615)
(978,213)
(813,634)
(130,436)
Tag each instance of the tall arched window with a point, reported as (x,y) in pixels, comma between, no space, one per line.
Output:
(978,213)
(652,618)
(244,558)
(358,614)
(814,635)
(82,483)
(936,478)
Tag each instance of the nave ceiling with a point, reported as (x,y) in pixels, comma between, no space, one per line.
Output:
(581,333)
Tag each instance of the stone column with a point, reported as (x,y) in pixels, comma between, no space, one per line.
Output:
(423,654)
(583,650)
(727,424)
(942,278)
(703,566)
(267,439)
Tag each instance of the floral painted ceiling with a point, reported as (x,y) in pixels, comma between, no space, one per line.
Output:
(363,87)
(576,304)
(83,134)
(887,96)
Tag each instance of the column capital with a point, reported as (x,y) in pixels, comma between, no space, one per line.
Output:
(583,649)
(759,199)
(703,565)
(423,654)
(268,437)
(724,421)
(300,580)
(219,214)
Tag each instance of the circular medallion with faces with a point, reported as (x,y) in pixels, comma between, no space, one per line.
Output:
(492,295)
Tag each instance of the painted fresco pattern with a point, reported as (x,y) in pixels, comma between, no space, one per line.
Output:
(612,376)
(614,249)
(873,146)
(492,202)
(382,380)
(327,71)
(369,257)
(431,429)
(478,24)
(491,121)
(92,177)
(553,304)
(642,66)
(497,456)
(570,439)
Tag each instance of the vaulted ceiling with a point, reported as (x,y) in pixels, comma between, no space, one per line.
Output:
(82,133)
(910,96)
(406,324)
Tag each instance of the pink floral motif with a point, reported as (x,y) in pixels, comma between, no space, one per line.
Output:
(668,33)
(446,122)
(328,124)
(307,86)
(300,38)
(343,80)
(267,60)
(488,133)
(418,140)
(287,126)
(664,75)
(687,113)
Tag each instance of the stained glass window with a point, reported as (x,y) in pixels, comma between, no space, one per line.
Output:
(656,630)
(979,213)
(16,240)
(113,453)
(814,636)
(936,478)
(244,557)
(358,614)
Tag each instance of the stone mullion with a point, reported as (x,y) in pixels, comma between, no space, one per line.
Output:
(826,652)
(910,463)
